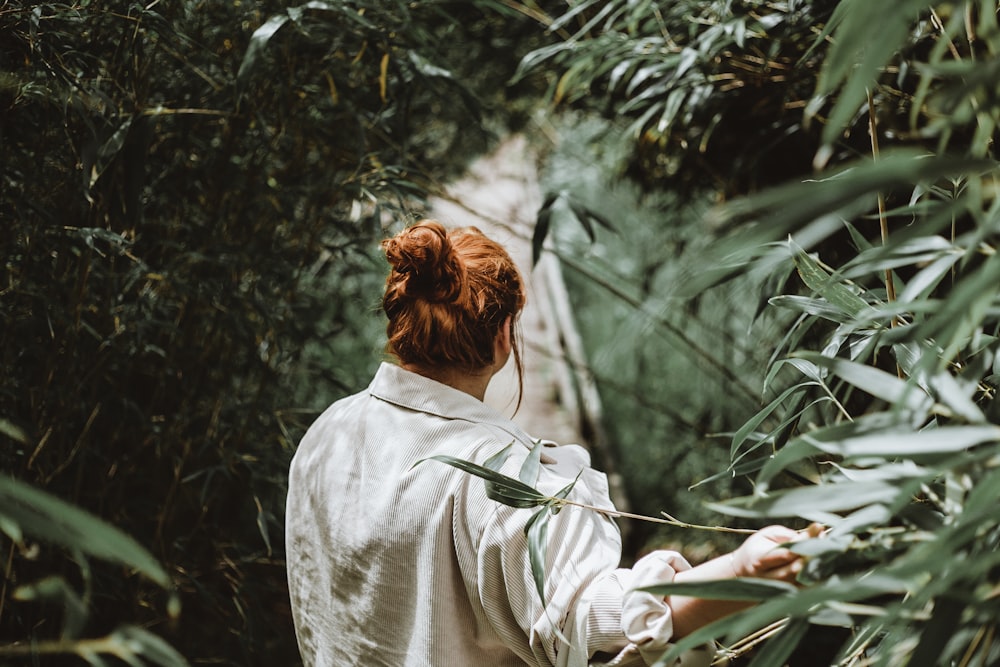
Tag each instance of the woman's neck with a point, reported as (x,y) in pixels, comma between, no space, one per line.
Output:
(471,382)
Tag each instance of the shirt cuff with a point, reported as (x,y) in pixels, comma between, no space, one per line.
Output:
(647,619)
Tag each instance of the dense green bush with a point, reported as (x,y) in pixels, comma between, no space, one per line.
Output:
(675,373)
(191,197)
(879,416)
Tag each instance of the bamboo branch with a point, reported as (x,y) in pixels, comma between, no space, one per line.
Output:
(668,520)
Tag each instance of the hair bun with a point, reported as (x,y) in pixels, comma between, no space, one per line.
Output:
(425,263)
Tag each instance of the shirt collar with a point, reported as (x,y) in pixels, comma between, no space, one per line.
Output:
(417,392)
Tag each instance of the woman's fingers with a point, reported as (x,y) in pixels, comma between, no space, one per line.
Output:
(763,553)
(775,558)
(788,572)
(781,562)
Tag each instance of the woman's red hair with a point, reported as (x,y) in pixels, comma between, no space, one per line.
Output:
(447,296)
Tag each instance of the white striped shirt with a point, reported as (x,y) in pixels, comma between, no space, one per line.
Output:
(392,564)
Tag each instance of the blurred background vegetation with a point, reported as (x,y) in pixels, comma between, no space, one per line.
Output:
(778,220)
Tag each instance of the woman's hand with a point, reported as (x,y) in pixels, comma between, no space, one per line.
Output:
(762,556)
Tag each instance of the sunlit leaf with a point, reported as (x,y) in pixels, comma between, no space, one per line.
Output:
(928,277)
(496,461)
(950,392)
(964,310)
(917,251)
(805,501)
(819,307)
(914,445)
(532,465)
(874,381)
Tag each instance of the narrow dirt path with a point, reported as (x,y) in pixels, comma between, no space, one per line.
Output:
(500,196)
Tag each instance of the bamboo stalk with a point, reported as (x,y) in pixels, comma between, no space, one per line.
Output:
(890,287)
(748,643)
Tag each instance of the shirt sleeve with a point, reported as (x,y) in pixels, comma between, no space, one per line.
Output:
(590,608)
(581,545)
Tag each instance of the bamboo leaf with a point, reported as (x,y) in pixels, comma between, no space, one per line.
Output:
(580,214)
(575,11)
(50,519)
(13,431)
(819,281)
(796,450)
(917,251)
(563,492)
(777,649)
(741,434)
(818,307)
(748,589)
(928,278)
(806,502)
(535,58)
(56,589)
(938,631)
(496,461)
(135,642)
(951,393)
(532,465)
(868,34)
(874,381)
(504,489)
(962,314)
(929,442)
(879,425)
(536,531)
(821,204)
(258,43)
(542,223)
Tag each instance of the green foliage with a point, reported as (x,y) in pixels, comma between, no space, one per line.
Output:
(880,255)
(26,512)
(675,374)
(901,461)
(712,92)
(192,194)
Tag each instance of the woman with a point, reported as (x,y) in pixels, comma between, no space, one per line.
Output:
(392,564)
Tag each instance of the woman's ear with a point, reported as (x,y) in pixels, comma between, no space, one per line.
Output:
(505,336)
